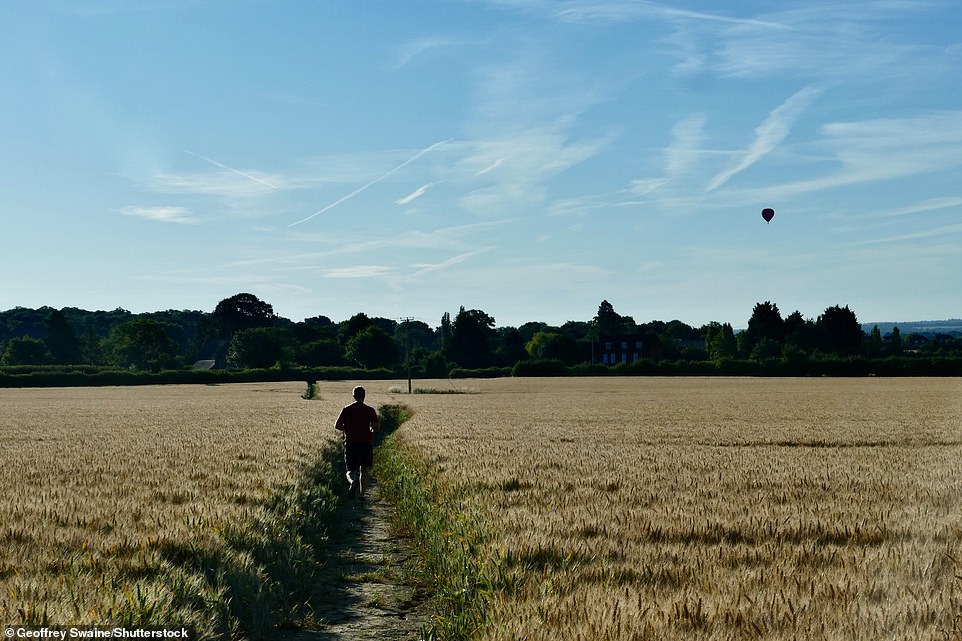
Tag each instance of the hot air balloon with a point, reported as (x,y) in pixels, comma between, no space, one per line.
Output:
(768,213)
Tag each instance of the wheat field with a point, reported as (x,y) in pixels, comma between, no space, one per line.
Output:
(114,501)
(627,508)
(717,508)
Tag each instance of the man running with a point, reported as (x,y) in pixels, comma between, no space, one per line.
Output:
(359,422)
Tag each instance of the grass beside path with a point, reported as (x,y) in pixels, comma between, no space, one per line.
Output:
(449,543)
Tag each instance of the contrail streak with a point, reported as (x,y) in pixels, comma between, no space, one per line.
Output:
(373,182)
(236,171)
(414,195)
(490,167)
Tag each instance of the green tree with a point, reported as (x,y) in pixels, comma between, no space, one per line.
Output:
(414,339)
(434,365)
(552,345)
(720,341)
(894,344)
(325,351)
(874,346)
(62,339)
(25,350)
(510,347)
(800,332)
(314,329)
(608,322)
(417,335)
(943,344)
(765,322)
(387,325)
(372,348)
(445,330)
(186,328)
(353,326)
(241,311)
(839,331)
(916,341)
(529,329)
(766,348)
(92,347)
(261,347)
(794,355)
(23,321)
(677,330)
(141,344)
(578,330)
(472,340)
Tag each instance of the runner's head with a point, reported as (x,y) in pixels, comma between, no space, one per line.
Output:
(358,393)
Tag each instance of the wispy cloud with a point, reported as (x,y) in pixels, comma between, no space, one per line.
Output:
(229,185)
(417,193)
(525,88)
(358,271)
(530,159)
(930,204)
(646,186)
(486,279)
(624,10)
(424,268)
(179,215)
(372,183)
(491,167)
(685,148)
(687,48)
(456,237)
(828,40)
(936,232)
(415,48)
(878,149)
(193,277)
(682,156)
(768,135)
(231,169)
(941,128)
(617,11)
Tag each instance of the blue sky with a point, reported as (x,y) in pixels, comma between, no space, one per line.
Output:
(524,157)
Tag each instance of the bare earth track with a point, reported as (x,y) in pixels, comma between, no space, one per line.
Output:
(370,596)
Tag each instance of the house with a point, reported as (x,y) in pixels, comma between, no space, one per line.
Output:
(622,349)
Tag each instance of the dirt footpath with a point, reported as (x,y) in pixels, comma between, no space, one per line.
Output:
(370,596)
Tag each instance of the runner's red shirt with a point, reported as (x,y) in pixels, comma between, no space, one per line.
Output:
(355,421)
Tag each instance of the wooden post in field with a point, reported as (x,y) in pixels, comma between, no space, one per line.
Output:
(407,337)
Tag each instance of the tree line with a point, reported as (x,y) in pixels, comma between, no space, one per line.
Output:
(244,332)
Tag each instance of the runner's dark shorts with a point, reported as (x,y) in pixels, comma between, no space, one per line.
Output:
(358,455)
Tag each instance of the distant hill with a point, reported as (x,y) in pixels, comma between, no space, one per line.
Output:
(952,326)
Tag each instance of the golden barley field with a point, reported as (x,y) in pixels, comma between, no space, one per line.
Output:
(105,493)
(710,508)
(630,508)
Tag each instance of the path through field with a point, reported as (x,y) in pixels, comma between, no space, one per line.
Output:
(369,597)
